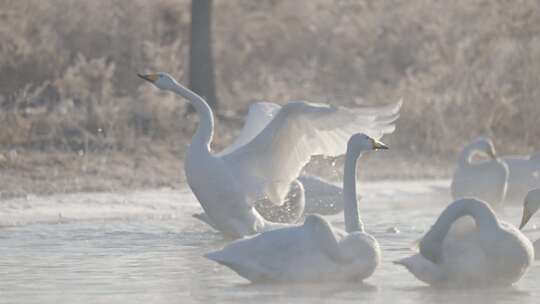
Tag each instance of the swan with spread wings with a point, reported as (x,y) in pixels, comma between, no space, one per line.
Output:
(264,161)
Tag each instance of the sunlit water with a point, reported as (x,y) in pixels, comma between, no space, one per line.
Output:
(145,247)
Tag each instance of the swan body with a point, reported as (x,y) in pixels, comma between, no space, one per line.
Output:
(308,194)
(485,180)
(314,251)
(290,212)
(320,196)
(493,253)
(267,157)
(530,207)
(524,175)
(536,246)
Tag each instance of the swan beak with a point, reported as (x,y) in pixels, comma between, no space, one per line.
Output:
(525,219)
(378,145)
(148,77)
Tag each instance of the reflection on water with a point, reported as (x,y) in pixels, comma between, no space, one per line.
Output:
(158,259)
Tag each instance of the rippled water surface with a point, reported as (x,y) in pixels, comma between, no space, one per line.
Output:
(144,247)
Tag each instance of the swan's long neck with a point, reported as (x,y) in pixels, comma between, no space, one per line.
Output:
(466,155)
(484,218)
(352,218)
(205,130)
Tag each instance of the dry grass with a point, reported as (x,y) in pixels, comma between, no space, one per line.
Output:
(464,68)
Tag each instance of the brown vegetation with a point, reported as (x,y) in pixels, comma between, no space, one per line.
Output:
(464,68)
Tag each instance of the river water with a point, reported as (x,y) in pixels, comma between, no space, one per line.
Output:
(144,247)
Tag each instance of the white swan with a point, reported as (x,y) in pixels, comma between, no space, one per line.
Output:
(524,175)
(313,251)
(485,180)
(262,165)
(309,194)
(530,206)
(493,253)
(290,212)
(320,196)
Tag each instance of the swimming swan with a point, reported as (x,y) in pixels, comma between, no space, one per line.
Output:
(485,180)
(530,206)
(262,165)
(314,251)
(494,253)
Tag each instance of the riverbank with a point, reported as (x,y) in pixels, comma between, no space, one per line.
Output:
(32,172)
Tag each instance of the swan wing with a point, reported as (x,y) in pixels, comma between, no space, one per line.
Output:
(268,164)
(259,116)
(326,239)
(460,258)
(461,232)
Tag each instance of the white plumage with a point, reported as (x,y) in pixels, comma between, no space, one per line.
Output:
(531,204)
(320,196)
(492,253)
(262,165)
(314,251)
(484,179)
(308,194)
(273,159)
(524,175)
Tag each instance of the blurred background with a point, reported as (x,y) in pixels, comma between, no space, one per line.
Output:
(74,116)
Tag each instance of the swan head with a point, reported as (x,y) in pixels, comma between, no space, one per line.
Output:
(530,206)
(361,142)
(485,145)
(162,81)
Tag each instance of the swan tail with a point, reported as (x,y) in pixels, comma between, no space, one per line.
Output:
(422,269)
(203,217)
(246,269)
(221,257)
(216,256)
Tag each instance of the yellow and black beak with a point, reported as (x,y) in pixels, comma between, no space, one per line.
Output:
(525,218)
(378,145)
(148,77)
